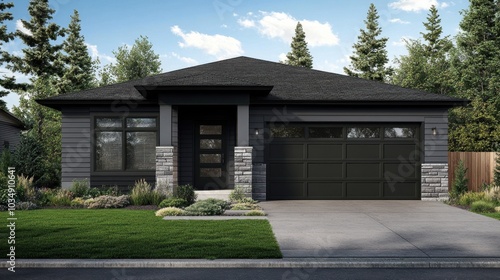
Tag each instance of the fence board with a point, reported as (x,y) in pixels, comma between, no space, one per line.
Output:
(480,167)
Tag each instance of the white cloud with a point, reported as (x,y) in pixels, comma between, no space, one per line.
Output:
(402,41)
(184,59)
(417,5)
(20,26)
(94,52)
(217,45)
(247,23)
(398,20)
(282,57)
(282,26)
(224,26)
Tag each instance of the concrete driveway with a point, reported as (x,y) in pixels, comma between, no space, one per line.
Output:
(357,228)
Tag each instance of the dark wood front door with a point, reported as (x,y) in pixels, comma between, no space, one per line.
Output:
(210,156)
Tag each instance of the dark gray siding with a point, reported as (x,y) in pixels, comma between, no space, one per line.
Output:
(75,145)
(10,134)
(434,146)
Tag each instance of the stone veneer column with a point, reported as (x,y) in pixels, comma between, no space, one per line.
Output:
(259,181)
(243,169)
(166,171)
(434,181)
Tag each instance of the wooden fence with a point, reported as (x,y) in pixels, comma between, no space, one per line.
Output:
(480,167)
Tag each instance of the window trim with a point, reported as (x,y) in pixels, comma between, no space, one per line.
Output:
(123,130)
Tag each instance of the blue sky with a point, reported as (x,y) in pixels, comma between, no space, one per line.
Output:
(192,32)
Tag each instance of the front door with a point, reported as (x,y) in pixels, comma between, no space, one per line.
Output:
(210,156)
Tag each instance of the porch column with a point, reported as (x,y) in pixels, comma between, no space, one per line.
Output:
(243,169)
(243,125)
(165,125)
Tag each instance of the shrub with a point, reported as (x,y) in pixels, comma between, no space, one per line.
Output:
(255,213)
(25,186)
(62,198)
(245,206)
(27,205)
(460,184)
(142,194)
(107,201)
(169,211)
(468,198)
(493,194)
(207,207)
(78,203)
(482,206)
(496,172)
(237,195)
(497,209)
(44,196)
(173,202)
(80,187)
(185,192)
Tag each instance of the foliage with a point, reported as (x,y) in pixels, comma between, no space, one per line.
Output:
(185,192)
(370,55)
(467,198)
(26,205)
(5,37)
(107,201)
(237,194)
(5,161)
(78,203)
(255,213)
(460,185)
(25,186)
(207,207)
(173,202)
(427,65)
(143,194)
(497,209)
(299,55)
(169,211)
(138,62)
(79,68)
(80,187)
(245,206)
(61,198)
(44,196)
(496,176)
(493,194)
(482,207)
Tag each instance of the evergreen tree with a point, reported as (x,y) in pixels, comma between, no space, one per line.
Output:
(138,62)
(5,37)
(370,54)
(299,55)
(496,177)
(460,184)
(79,68)
(477,126)
(427,64)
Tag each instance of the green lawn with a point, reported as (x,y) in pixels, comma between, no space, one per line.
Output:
(492,215)
(121,233)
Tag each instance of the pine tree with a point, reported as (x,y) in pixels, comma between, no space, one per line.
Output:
(427,64)
(370,54)
(79,68)
(460,184)
(299,55)
(5,37)
(496,177)
(477,126)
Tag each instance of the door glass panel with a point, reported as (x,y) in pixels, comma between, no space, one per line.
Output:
(210,129)
(211,172)
(210,144)
(363,132)
(325,132)
(210,158)
(287,132)
(400,132)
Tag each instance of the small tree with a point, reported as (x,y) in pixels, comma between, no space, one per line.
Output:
(299,55)
(497,171)
(460,185)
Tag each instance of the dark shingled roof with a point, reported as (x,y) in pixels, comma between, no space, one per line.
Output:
(289,85)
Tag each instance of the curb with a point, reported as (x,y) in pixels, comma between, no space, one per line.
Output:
(272,263)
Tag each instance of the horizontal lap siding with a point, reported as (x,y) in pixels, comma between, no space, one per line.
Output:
(434,146)
(75,145)
(10,134)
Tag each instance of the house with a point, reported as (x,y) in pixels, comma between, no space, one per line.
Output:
(278,131)
(10,131)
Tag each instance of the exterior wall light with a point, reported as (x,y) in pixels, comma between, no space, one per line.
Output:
(256,131)
(434,131)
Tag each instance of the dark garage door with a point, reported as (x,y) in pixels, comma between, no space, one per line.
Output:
(343,161)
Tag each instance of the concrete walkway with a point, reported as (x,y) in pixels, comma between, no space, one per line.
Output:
(381,229)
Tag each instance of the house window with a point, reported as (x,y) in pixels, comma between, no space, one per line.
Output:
(125,143)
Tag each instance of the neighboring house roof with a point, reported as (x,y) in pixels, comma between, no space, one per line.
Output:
(286,85)
(7,117)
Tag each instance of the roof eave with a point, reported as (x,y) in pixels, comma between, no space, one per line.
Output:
(58,104)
